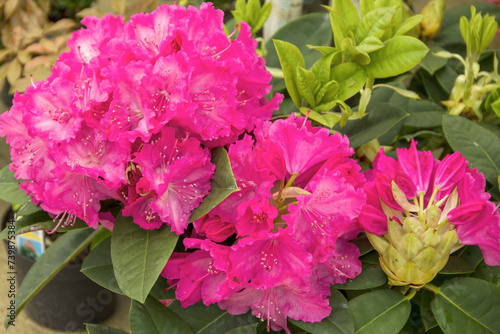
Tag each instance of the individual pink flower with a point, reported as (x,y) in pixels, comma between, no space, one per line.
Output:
(454,191)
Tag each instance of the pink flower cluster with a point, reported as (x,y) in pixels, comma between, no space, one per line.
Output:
(449,184)
(131,112)
(275,246)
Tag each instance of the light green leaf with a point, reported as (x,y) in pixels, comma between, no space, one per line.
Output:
(467,305)
(308,85)
(290,58)
(370,44)
(352,53)
(100,329)
(351,77)
(327,93)
(222,185)
(409,24)
(380,311)
(328,120)
(339,28)
(374,23)
(348,11)
(263,16)
(62,251)
(381,117)
(153,317)
(366,6)
(401,54)
(322,67)
(98,266)
(477,144)
(9,188)
(340,321)
(138,256)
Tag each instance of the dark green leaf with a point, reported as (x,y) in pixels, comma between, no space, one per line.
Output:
(380,311)
(28,208)
(339,321)
(98,266)
(153,317)
(62,251)
(139,255)
(222,185)
(100,329)
(247,329)
(488,273)
(456,266)
(431,63)
(40,220)
(370,277)
(211,319)
(478,145)
(381,117)
(425,310)
(312,29)
(9,188)
(467,305)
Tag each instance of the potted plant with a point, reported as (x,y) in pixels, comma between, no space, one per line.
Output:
(355,193)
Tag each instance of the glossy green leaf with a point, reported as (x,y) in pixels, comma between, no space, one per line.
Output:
(247,329)
(369,278)
(309,29)
(327,93)
(456,266)
(55,257)
(352,53)
(374,23)
(40,220)
(290,59)
(100,329)
(488,273)
(351,78)
(425,310)
(401,54)
(328,120)
(211,319)
(339,321)
(153,317)
(381,117)
(139,255)
(467,305)
(28,208)
(431,63)
(477,144)
(9,188)
(223,184)
(322,67)
(98,266)
(380,311)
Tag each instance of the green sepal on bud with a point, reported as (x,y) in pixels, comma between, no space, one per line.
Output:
(412,253)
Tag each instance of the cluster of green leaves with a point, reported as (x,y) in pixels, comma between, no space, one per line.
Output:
(375,45)
(252,13)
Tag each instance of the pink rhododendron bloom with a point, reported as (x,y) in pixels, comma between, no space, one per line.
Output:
(454,194)
(130,113)
(299,198)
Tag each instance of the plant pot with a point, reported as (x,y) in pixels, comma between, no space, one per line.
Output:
(69,300)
